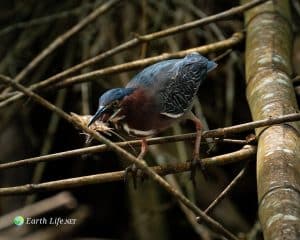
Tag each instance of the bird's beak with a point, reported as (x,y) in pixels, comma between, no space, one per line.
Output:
(98,114)
(211,65)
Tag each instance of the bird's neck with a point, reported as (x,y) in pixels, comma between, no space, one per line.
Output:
(137,116)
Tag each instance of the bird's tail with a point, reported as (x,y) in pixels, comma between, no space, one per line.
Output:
(211,65)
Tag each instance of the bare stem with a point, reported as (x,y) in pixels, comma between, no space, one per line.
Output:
(215,133)
(103,148)
(224,44)
(223,194)
(242,154)
(163,33)
(213,47)
(126,155)
(64,37)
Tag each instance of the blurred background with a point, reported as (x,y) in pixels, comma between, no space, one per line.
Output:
(116,210)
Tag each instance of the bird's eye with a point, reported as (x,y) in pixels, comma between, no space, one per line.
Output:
(115,104)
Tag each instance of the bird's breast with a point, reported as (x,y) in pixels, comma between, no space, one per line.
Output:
(140,115)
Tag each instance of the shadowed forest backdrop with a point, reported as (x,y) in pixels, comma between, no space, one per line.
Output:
(114,209)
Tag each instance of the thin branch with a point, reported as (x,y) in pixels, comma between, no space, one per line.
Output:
(47,143)
(64,37)
(164,33)
(242,154)
(223,194)
(227,43)
(293,117)
(213,47)
(46,19)
(129,157)
(215,133)
(103,148)
(148,37)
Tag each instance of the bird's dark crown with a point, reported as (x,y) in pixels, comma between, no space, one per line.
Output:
(195,57)
(110,102)
(113,95)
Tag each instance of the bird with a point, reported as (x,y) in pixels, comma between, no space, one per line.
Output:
(159,96)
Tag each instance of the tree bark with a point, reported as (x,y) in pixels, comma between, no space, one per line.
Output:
(270,93)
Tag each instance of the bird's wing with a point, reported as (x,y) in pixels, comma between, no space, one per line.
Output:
(177,95)
(179,92)
(156,80)
(174,83)
(154,76)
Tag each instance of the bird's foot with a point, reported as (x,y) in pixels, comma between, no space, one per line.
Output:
(135,174)
(197,164)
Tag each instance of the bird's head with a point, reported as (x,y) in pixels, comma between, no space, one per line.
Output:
(110,102)
(197,60)
(196,66)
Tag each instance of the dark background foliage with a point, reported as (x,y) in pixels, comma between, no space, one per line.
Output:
(116,210)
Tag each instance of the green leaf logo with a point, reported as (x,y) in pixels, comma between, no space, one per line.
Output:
(19,220)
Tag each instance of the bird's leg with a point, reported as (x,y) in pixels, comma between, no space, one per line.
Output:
(133,168)
(196,161)
(144,149)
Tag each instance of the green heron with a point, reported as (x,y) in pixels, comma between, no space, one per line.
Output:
(157,97)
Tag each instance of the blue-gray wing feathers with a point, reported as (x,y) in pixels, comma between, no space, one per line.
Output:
(174,82)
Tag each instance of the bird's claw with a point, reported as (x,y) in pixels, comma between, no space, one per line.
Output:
(135,173)
(196,164)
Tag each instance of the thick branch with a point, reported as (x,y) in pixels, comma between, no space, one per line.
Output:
(270,93)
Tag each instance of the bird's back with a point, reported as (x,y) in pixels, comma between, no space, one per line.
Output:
(173,82)
(155,75)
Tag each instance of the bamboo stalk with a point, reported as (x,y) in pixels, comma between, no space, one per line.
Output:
(270,93)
